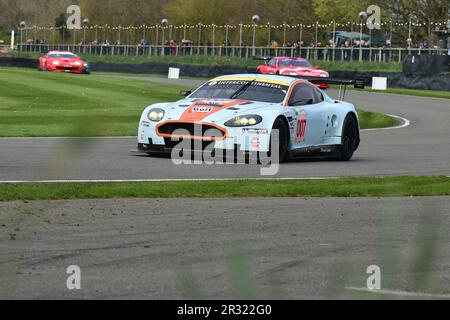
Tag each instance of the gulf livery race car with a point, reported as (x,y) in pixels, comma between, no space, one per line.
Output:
(63,61)
(287,66)
(241,112)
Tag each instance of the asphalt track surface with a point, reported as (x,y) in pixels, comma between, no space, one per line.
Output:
(284,248)
(422,148)
(291,248)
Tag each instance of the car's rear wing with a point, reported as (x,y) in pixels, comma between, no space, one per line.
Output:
(266,59)
(342,83)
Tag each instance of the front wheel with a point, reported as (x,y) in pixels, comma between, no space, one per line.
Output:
(283,139)
(350,137)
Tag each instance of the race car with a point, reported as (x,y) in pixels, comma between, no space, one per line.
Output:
(63,61)
(240,113)
(292,67)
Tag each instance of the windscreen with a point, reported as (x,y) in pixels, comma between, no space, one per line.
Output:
(257,91)
(295,63)
(63,55)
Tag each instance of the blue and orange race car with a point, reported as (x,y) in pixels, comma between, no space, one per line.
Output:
(241,112)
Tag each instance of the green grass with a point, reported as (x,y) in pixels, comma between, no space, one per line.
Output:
(36,104)
(231,61)
(373,120)
(348,187)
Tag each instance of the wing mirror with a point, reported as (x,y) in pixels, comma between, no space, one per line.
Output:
(317,67)
(185,93)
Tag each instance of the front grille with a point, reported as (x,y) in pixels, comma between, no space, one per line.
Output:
(187,144)
(67,68)
(191,130)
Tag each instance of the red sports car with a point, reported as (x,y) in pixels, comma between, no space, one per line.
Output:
(293,67)
(62,61)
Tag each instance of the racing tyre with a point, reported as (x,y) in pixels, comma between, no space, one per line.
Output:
(283,139)
(258,71)
(349,139)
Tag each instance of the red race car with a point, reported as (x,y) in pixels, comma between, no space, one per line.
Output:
(63,61)
(292,67)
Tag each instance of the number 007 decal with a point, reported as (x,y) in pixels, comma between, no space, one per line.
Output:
(301,127)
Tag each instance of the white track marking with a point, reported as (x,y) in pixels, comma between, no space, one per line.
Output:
(405,123)
(162,180)
(401,293)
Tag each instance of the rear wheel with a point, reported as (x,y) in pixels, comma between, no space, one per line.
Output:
(349,139)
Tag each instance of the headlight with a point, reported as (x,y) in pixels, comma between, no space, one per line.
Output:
(156,115)
(77,63)
(56,62)
(244,121)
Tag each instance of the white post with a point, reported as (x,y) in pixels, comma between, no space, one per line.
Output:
(316,35)
(13,34)
(240,35)
(254,39)
(199,35)
(226,36)
(301,34)
(214,36)
(360,42)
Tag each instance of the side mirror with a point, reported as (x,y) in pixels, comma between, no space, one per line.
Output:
(185,93)
(317,67)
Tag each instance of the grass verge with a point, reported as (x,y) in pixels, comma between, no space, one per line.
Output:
(36,104)
(346,187)
(373,120)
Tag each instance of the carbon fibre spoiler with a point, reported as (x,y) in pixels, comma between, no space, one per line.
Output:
(262,58)
(342,83)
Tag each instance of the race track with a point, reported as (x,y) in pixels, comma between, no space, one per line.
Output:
(419,149)
(286,248)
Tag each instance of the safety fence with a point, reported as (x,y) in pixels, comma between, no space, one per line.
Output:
(387,55)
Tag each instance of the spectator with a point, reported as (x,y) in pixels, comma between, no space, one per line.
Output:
(388,44)
(173,47)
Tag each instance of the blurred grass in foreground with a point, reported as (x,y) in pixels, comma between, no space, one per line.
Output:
(407,272)
(344,187)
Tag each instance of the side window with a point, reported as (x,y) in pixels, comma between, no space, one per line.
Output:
(302,95)
(318,96)
(272,62)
